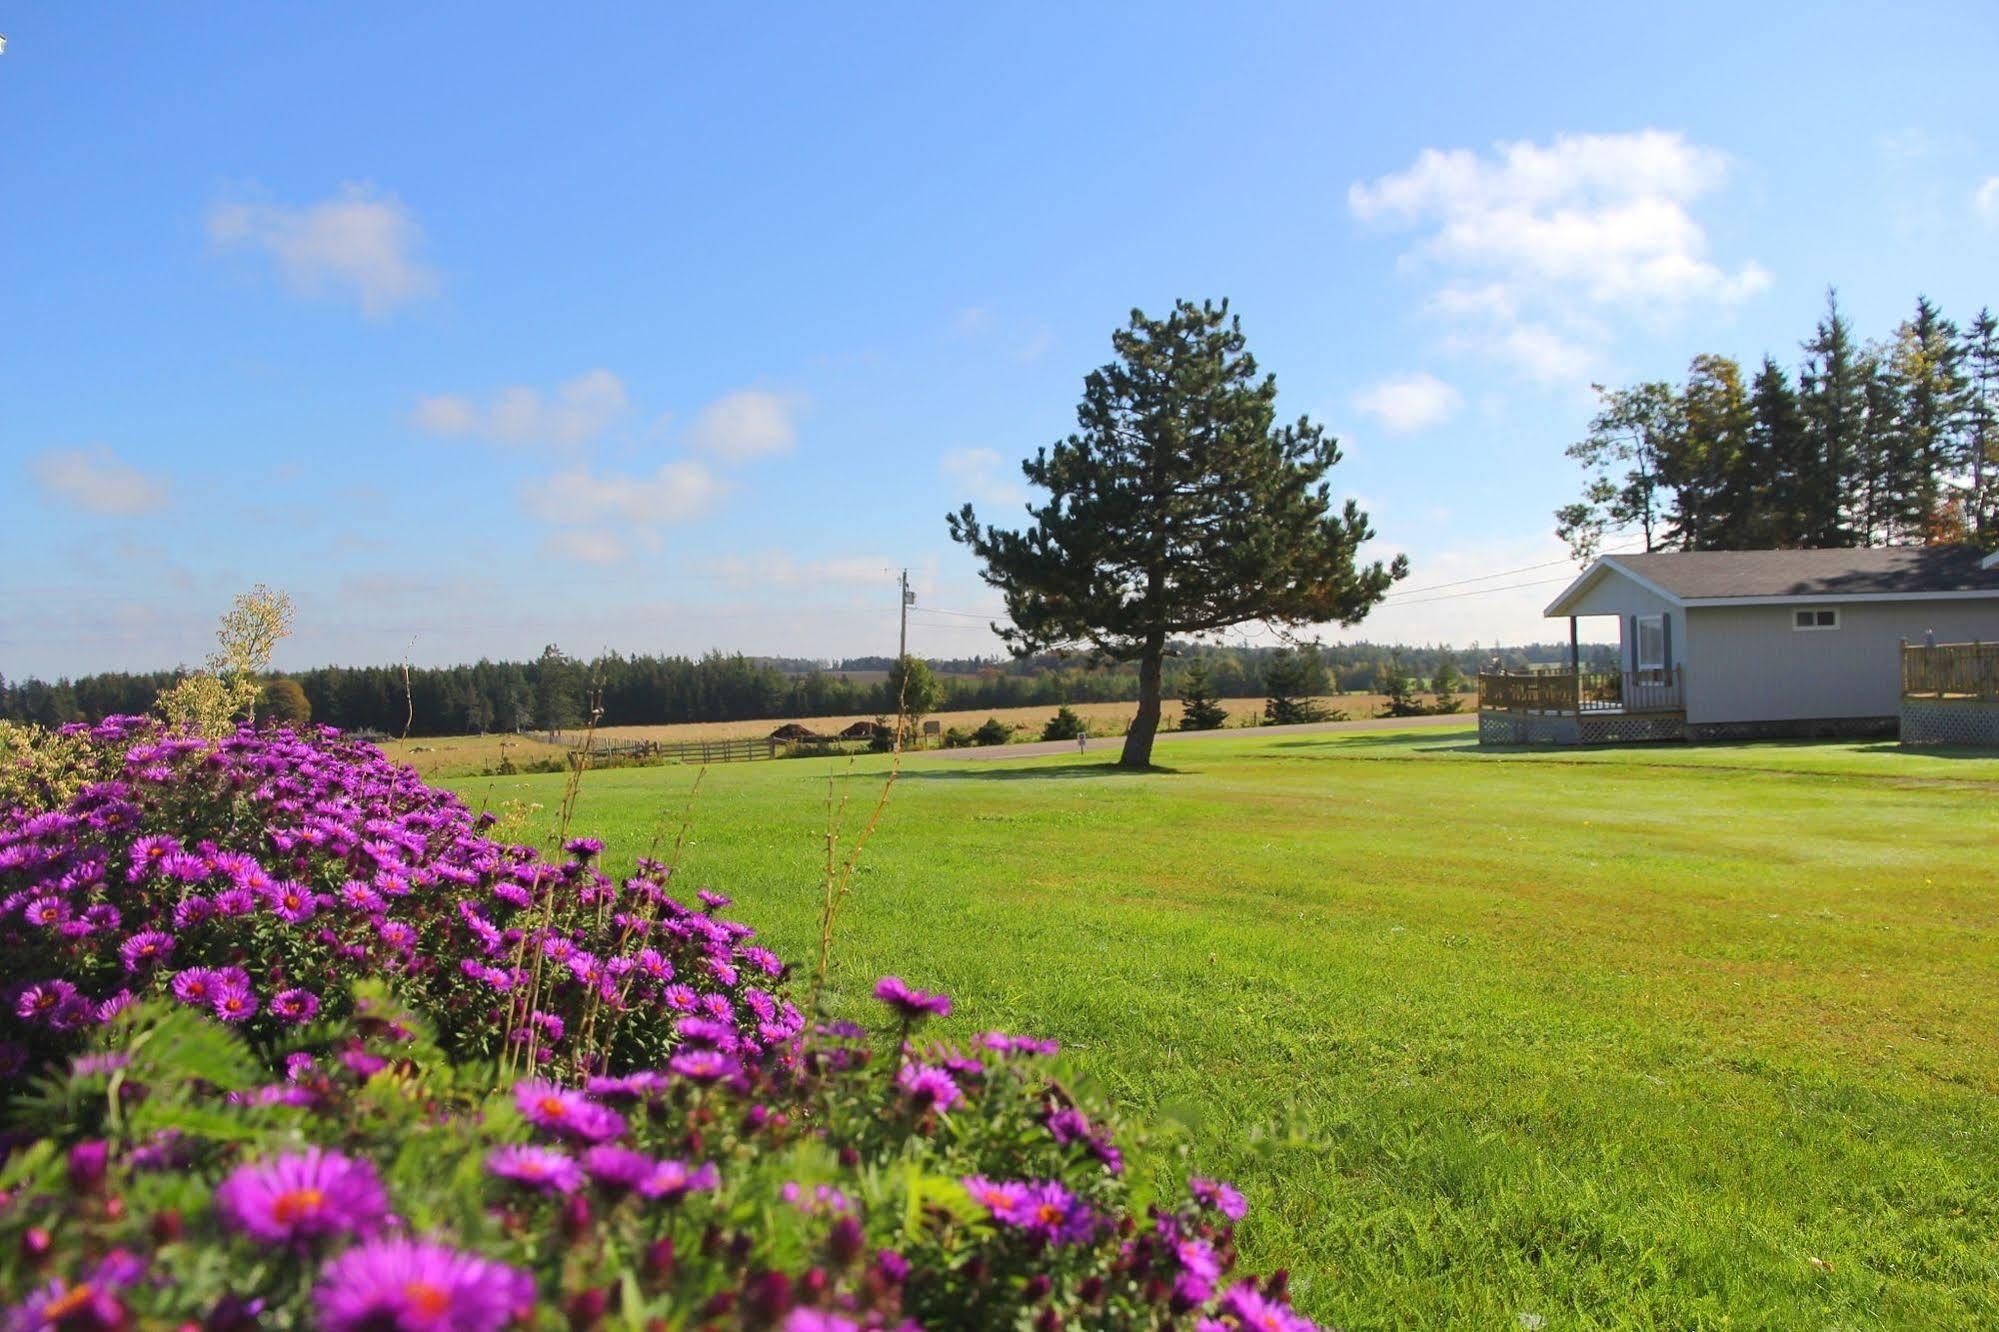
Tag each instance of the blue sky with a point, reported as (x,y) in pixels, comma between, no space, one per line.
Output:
(480,327)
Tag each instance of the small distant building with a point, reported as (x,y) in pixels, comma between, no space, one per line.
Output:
(794,732)
(1718,645)
(860,730)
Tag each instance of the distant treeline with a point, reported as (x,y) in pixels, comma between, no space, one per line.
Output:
(551,692)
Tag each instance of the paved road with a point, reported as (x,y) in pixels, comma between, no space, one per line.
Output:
(1109,745)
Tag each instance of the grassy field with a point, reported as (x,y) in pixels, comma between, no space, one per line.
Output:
(455,756)
(1650,1037)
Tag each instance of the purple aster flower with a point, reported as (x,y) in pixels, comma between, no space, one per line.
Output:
(703,1065)
(147,855)
(1047,1209)
(91,1301)
(291,902)
(304,1196)
(540,1168)
(1220,1195)
(1255,1312)
(192,911)
(235,902)
(295,1005)
(184,868)
(583,848)
(818,1320)
(911,1004)
(929,1088)
(671,1181)
(1199,1270)
(618,1170)
(234,1001)
(46,1002)
(419,1286)
(568,1113)
(1000,1197)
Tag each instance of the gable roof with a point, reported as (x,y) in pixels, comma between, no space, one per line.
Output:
(1754,577)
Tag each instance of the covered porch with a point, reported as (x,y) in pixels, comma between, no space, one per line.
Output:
(1644,699)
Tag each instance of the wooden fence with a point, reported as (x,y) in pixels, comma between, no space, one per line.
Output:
(1569,692)
(694,751)
(1950,670)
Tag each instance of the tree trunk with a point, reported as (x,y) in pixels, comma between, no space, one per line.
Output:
(1145,722)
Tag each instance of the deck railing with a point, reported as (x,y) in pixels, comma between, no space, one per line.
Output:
(1572,692)
(1950,670)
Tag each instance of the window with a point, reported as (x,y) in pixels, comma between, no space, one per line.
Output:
(1649,647)
(1815,619)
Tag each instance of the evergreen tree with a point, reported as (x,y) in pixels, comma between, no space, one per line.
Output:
(1180,508)
(1200,709)
(1875,478)
(1294,680)
(1064,725)
(1832,397)
(1980,452)
(1931,391)
(1778,464)
(1400,688)
(556,702)
(1447,683)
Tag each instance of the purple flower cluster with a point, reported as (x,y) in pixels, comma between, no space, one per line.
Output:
(313,861)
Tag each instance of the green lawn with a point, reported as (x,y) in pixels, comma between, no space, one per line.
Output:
(1650,1037)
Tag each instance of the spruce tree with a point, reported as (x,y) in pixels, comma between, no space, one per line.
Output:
(1931,389)
(1293,680)
(1779,450)
(1179,508)
(1200,710)
(1980,453)
(1832,397)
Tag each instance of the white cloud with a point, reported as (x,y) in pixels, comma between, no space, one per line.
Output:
(584,545)
(1409,403)
(1539,246)
(359,244)
(578,411)
(982,474)
(1986,200)
(96,480)
(744,424)
(678,491)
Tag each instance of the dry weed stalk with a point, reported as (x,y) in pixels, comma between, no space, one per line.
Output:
(837,880)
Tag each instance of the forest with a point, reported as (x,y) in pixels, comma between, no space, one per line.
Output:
(552,691)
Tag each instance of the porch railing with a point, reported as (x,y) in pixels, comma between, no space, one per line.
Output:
(1572,692)
(1950,670)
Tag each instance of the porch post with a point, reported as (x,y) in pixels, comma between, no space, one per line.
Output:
(1576,664)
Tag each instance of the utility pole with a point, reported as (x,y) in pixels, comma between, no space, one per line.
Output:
(908,598)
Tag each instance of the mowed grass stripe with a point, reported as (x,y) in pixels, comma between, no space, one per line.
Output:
(1625,1038)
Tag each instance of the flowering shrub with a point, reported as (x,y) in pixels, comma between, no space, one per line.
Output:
(391,1161)
(310,860)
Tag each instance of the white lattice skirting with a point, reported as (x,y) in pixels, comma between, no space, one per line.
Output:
(1968,722)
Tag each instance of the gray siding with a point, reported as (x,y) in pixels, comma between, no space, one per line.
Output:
(1746,663)
(1616,595)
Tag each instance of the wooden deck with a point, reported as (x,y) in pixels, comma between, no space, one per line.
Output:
(1951,670)
(1581,693)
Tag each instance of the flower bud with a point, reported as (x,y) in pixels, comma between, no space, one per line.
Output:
(166,1226)
(659,1259)
(766,1298)
(586,1309)
(86,1165)
(575,1218)
(35,1245)
(1038,1286)
(845,1241)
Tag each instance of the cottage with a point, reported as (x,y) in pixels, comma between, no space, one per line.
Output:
(1717,645)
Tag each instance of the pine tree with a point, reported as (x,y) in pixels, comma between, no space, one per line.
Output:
(1832,397)
(1293,680)
(1930,390)
(1180,508)
(1778,449)
(1200,710)
(1980,451)
(1447,682)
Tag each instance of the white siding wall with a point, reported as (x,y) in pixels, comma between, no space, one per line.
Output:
(1746,663)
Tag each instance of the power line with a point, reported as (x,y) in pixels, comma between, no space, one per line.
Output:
(1481,591)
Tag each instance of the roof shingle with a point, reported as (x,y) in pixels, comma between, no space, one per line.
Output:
(1714,575)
